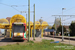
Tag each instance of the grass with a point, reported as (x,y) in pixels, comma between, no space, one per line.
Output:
(44,45)
(72,36)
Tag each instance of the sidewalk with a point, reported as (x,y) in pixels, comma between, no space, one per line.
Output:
(38,39)
(65,37)
(60,37)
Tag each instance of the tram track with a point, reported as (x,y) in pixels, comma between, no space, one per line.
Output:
(67,38)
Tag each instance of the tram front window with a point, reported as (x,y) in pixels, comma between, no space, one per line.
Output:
(18,29)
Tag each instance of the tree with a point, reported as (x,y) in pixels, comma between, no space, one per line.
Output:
(52,28)
(40,20)
(49,27)
(54,25)
(57,22)
(72,29)
(59,29)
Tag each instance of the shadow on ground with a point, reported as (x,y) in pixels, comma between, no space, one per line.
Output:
(10,40)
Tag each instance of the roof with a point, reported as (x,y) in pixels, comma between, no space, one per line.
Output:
(49,30)
(67,27)
(8,18)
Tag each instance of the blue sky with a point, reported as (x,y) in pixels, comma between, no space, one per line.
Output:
(43,8)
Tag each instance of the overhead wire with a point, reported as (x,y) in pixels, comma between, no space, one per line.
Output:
(16,9)
(12,6)
(9,6)
(68,18)
(4,4)
(61,12)
(67,10)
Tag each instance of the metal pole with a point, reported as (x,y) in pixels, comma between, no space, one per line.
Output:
(62,27)
(69,38)
(29,20)
(41,28)
(34,23)
(26,23)
(55,26)
(31,32)
(42,33)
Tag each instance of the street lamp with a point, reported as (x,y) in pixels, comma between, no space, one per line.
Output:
(62,25)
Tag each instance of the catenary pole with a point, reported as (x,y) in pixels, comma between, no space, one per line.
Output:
(26,23)
(34,23)
(55,26)
(29,20)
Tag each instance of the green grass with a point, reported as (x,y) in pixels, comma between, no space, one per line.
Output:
(44,45)
(72,36)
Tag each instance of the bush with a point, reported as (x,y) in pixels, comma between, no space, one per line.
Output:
(59,29)
(72,29)
(53,28)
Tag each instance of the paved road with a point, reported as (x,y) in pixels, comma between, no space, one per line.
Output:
(4,41)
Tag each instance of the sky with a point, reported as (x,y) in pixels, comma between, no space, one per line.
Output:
(43,8)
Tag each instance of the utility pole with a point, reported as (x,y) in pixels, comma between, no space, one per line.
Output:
(29,20)
(34,23)
(55,26)
(62,26)
(26,23)
(41,25)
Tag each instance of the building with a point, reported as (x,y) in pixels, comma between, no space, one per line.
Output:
(49,31)
(8,18)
